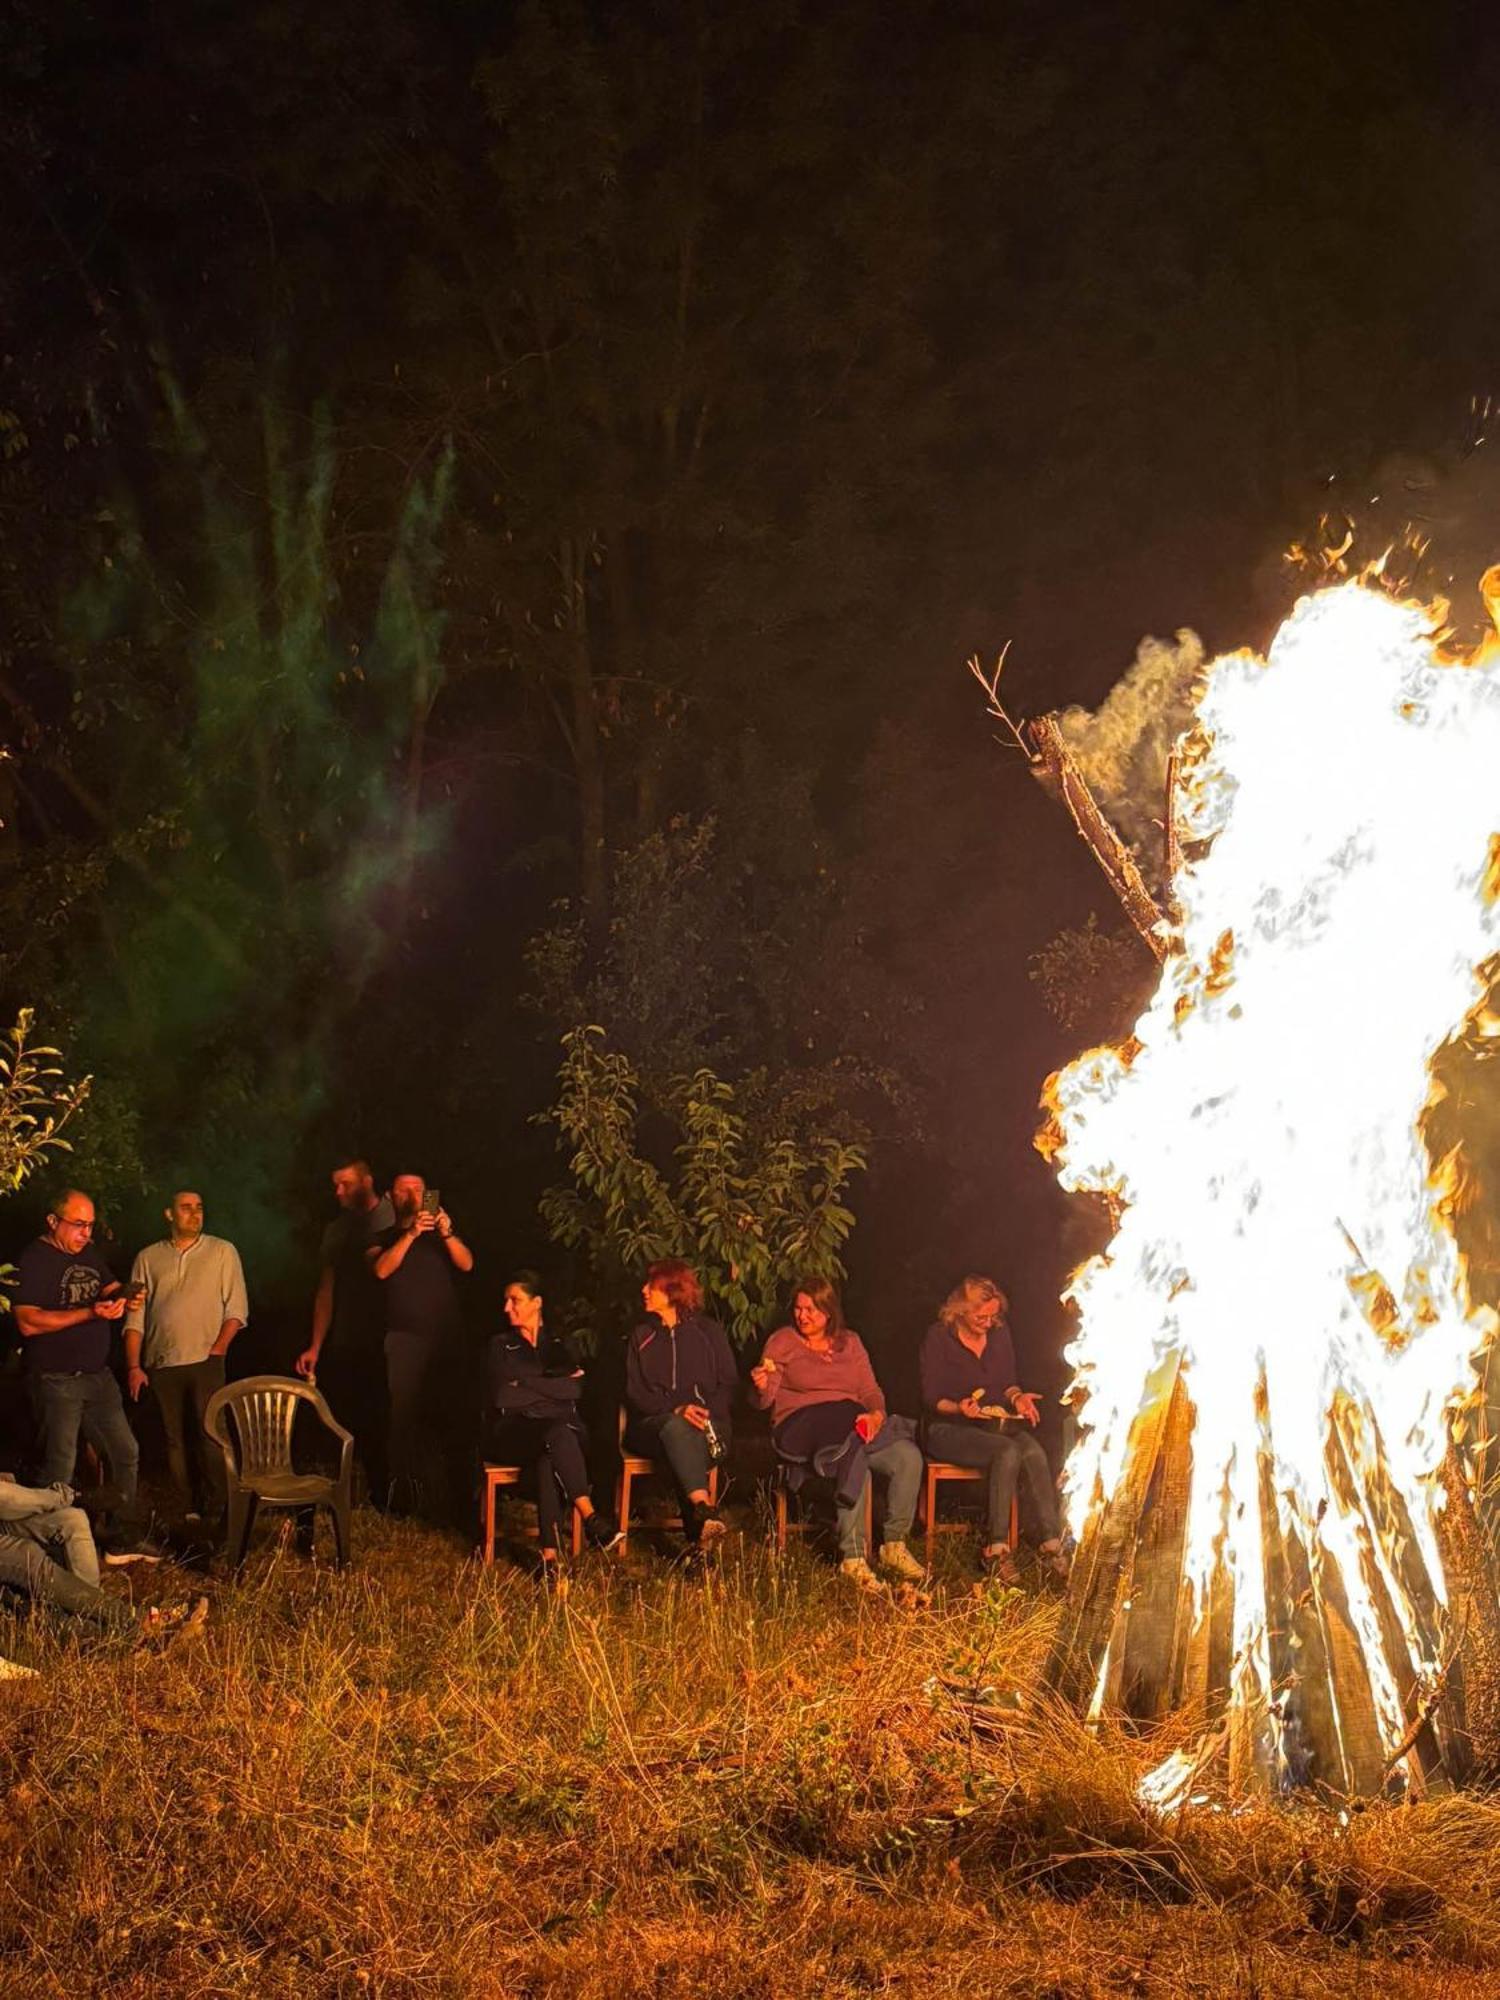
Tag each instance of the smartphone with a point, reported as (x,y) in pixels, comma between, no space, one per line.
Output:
(432,1200)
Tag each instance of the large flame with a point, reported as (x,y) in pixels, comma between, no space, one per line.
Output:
(1282,1236)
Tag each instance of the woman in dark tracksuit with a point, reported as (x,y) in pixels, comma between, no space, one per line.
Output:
(535,1379)
(680,1380)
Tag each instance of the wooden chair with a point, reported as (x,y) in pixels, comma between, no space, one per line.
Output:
(939,1471)
(496,1476)
(632,1467)
(251,1422)
(786,1526)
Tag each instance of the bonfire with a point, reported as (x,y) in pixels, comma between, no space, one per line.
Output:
(1276,1531)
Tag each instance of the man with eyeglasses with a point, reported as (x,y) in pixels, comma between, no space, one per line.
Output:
(67,1304)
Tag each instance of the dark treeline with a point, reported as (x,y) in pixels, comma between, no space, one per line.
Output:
(496,501)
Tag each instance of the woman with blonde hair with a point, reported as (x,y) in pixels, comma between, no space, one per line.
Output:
(977,1414)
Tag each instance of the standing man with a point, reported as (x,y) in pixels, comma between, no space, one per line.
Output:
(348,1319)
(415,1261)
(188,1304)
(67,1302)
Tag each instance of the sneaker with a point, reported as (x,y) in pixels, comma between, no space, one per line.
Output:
(602,1534)
(1001,1568)
(134,1552)
(1056,1561)
(899,1560)
(857,1571)
(702,1524)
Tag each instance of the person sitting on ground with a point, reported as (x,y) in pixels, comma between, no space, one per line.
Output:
(978,1415)
(680,1380)
(535,1380)
(828,1415)
(47,1553)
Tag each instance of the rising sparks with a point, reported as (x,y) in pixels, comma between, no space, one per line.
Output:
(1273,1341)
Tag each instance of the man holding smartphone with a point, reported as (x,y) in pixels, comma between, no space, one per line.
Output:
(416,1262)
(188,1306)
(67,1305)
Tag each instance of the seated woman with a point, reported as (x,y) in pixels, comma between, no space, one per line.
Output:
(977,1415)
(680,1380)
(828,1412)
(534,1384)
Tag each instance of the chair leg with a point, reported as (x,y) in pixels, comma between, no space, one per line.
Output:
(869,1519)
(340,1511)
(781,1520)
(491,1496)
(622,1512)
(241,1520)
(929,1485)
(577,1533)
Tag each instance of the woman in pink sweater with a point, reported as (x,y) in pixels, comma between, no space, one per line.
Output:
(816,1380)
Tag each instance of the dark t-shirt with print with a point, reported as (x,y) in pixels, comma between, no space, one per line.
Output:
(61,1281)
(420,1296)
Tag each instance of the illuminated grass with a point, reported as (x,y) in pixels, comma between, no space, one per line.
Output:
(420,1778)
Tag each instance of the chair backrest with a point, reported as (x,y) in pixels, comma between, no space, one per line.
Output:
(255,1417)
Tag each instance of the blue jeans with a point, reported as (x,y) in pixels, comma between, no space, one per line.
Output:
(90,1403)
(1011,1457)
(51,1558)
(898,1462)
(679,1447)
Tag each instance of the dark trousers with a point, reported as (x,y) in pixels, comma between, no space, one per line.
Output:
(410,1359)
(353,1380)
(1012,1458)
(193,1459)
(552,1448)
(678,1447)
(89,1403)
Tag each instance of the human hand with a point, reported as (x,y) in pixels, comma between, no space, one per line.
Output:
(423,1221)
(307,1362)
(444,1223)
(136,1379)
(973,1406)
(1024,1402)
(696,1415)
(110,1308)
(763,1374)
(868,1423)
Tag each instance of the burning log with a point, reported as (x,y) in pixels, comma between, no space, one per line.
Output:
(1275,1532)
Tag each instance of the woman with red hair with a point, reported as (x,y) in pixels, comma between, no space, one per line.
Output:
(680,1380)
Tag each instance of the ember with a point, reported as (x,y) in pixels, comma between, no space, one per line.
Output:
(1270,1513)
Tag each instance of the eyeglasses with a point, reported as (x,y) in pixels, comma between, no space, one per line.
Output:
(74,1222)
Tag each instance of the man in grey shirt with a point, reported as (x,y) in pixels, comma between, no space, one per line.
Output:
(193,1306)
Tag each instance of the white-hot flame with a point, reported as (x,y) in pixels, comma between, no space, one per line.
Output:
(1280,1226)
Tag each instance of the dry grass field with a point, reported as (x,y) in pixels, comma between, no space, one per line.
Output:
(421,1778)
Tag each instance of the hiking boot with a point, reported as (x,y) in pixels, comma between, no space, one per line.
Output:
(855,1570)
(603,1534)
(899,1560)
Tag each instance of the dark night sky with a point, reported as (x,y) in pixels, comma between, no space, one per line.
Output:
(764,363)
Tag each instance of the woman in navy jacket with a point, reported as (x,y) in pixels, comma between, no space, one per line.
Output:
(535,1378)
(680,1380)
